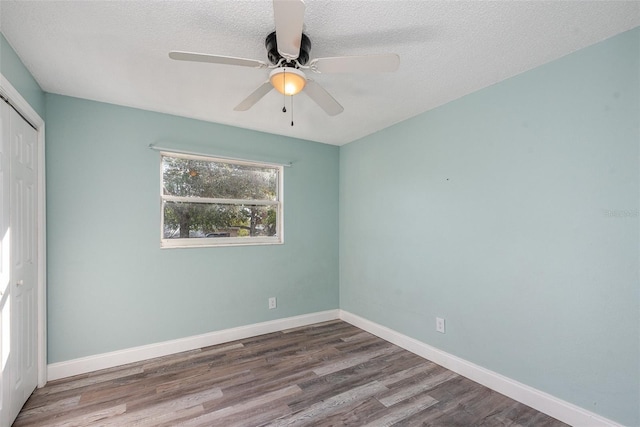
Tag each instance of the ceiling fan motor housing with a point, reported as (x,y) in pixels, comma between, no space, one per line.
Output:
(274,56)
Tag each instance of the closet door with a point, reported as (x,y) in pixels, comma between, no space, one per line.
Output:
(18,305)
(6,362)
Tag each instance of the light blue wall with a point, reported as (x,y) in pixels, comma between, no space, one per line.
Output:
(12,68)
(512,213)
(111,287)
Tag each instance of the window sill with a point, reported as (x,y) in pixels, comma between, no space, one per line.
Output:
(217,242)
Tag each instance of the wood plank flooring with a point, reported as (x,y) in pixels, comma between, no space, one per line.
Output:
(329,374)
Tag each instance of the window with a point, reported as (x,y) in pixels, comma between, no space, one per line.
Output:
(212,202)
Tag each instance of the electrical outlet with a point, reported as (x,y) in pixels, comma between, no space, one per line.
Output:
(272,303)
(440,325)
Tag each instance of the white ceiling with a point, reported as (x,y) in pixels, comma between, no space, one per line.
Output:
(117,52)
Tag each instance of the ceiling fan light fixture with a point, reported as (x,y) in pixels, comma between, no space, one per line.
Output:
(287,80)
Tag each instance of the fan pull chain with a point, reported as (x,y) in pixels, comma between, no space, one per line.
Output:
(291,110)
(284,95)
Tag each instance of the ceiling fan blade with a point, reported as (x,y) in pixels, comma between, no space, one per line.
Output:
(216,59)
(356,64)
(322,98)
(255,96)
(289,19)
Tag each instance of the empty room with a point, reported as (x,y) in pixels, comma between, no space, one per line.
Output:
(320,212)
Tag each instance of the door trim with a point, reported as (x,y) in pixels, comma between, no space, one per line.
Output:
(17,101)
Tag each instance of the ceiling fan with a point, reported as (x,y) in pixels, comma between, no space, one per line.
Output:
(288,54)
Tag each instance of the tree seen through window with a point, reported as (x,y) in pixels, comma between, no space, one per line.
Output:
(215,198)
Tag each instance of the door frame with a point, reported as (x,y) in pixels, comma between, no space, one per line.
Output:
(17,100)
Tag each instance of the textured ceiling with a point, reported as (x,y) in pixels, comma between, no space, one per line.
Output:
(117,52)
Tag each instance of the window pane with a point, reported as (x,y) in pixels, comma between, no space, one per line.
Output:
(198,220)
(202,178)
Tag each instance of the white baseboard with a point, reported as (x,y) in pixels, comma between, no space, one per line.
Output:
(544,402)
(122,357)
(539,400)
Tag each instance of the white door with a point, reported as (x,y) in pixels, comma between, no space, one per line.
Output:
(19,244)
(5,260)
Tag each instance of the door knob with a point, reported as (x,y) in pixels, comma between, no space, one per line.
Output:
(20,282)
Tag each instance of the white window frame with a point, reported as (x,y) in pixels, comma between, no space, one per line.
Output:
(223,241)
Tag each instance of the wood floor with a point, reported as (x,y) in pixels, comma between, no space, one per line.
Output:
(329,374)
